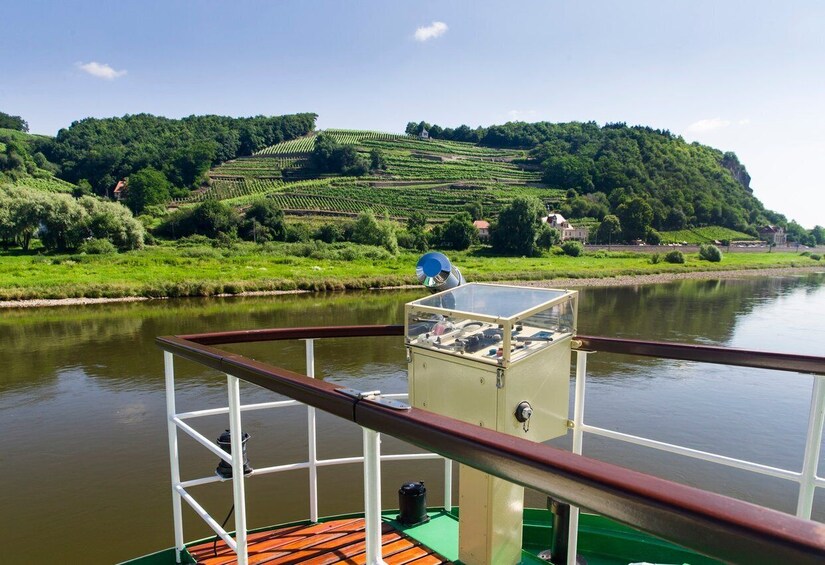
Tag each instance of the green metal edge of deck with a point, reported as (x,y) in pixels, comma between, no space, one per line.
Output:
(601,541)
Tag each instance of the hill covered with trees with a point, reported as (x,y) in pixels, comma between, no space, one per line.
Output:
(602,167)
(103,151)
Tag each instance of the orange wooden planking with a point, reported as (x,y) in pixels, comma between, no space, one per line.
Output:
(326,554)
(271,541)
(406,556)
(326,543)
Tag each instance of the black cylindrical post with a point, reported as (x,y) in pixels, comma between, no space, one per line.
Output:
(412,504)
(224,469)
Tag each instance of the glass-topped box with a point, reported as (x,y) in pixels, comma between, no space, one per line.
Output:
(490,323)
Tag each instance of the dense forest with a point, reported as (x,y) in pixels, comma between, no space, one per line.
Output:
(103,151)
(684,184)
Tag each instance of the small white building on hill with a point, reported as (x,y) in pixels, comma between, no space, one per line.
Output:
(567,231)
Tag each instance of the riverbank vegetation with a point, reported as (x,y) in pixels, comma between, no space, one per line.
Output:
(196,266)
(290,208)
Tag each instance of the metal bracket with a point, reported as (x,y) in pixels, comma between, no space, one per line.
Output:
(375,396)
(571,424)
(409,355)
(500,377)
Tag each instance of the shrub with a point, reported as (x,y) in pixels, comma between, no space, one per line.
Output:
(653,237)
(96,246)
(655,258)
(674,256)
(547,237)
(572,248)
(710,253)
(815,256)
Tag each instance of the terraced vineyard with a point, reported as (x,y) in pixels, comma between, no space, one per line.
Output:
(343,136)
(50,184)
(430,176)
(256,167)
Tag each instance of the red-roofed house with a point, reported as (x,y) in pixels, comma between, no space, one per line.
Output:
(483,228)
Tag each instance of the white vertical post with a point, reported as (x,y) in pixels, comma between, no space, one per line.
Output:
(448,485)
(311,440)
(578,422)
(813,441)
(174,461)
(372,495)
(236,436)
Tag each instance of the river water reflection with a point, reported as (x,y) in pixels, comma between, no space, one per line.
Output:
(84,455)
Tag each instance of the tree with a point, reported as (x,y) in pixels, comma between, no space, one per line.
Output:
(609,230)
(24,212)
(147,187)
(377,161)
(548,237)
(635,216)
(459,232)
(329,156)
(264,221)
(518,226)
(64,224)
(213,218)
(475,209)
(819,234)
(13,122)
(114,223)
(369,231)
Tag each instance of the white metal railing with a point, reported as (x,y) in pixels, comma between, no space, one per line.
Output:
(807,477)
(371,460)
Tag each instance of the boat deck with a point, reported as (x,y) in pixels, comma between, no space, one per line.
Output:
(338,541)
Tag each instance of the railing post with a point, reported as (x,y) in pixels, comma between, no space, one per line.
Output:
(312,458)
(813,442)
(239,496)
(448,485)
(174,461)
(578,424)
(372,495)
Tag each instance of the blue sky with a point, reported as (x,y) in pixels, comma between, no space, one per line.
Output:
(742,76)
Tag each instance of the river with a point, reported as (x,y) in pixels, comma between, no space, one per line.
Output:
(84,456)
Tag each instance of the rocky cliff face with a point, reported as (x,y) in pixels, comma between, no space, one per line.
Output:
(731,162)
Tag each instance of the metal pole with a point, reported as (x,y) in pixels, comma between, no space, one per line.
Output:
(372,496)
(813,442)
(448,485)
(578,424)
(174,461)
(312,439)
(236,437)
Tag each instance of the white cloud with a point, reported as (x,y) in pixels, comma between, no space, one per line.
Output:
(435,29)
(708,124)
(100,70)
(521,115)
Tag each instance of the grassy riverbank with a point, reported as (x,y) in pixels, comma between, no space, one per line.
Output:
(205,271)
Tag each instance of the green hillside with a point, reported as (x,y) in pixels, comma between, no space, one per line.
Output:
(434,177)
(22,162)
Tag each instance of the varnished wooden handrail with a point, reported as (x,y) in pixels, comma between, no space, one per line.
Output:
(709,523)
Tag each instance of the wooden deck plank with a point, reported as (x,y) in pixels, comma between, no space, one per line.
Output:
(342,554)
(326,543)
(386,550)
(259,544)
(415,552)
(431,559)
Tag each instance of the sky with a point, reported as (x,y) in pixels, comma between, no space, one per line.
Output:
(747,77)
